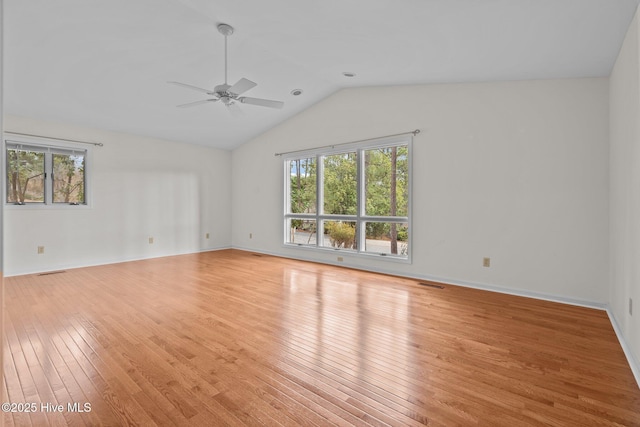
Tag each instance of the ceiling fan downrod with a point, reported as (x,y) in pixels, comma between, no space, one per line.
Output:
(226,30)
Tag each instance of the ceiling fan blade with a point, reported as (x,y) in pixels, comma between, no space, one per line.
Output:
(261,102)
(199,89)
(193,104)
(242,86)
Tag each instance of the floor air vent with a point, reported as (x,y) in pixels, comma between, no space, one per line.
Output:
(431,285)
(51,272)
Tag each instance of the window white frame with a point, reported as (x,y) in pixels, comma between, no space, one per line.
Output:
(360,218)
(49,148)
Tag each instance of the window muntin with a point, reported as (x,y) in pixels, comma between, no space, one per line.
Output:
(39,175)
(363,195)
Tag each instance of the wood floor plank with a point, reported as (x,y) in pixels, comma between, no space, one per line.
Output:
(231,338)
(14,392)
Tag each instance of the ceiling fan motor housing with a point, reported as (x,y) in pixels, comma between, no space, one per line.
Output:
(221,90)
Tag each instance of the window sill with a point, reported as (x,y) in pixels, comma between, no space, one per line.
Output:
(39,206)
(349,253)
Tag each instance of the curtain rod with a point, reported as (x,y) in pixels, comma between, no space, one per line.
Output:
(99,144)
(414,132)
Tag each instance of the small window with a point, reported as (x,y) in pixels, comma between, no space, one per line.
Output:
(45,175)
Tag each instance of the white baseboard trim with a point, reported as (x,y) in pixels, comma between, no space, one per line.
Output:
(445,280)
(108,262)
(633,362)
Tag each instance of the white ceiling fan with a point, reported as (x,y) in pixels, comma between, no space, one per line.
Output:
(229,95)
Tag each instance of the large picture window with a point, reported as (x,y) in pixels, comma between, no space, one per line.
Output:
(45,175)
(354,199)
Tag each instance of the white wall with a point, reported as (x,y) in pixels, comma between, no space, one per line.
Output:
(515,171)
(625,189)
(141,188)
(2,396)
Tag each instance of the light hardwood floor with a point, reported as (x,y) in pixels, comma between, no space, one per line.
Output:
(234,338)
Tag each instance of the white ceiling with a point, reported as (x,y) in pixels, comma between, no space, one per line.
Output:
(105,63)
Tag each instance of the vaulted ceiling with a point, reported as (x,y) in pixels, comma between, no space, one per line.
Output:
(106,63)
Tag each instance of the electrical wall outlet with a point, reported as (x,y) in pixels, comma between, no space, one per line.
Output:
(486,262)
(251,235)
(150,240)
(340,259)
(206,236)
(40,250)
